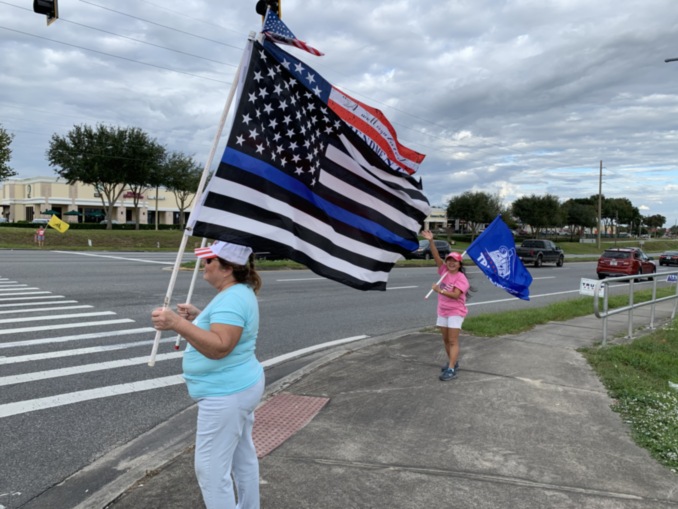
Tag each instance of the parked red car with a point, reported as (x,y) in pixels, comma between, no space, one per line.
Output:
(624,261)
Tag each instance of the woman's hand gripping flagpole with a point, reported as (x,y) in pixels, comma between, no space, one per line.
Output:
(439,281)
(196,271)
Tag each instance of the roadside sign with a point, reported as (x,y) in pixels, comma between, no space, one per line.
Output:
(588,287)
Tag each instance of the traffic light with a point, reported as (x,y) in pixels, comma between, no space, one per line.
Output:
(47,7)
(274,5)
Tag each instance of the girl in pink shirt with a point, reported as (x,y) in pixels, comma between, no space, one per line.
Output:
(451,291)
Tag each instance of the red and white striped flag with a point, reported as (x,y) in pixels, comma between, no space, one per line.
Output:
(277,31)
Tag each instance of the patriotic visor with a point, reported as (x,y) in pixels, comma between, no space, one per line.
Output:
(233,253)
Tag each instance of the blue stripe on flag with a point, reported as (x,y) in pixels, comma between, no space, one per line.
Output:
(294,186)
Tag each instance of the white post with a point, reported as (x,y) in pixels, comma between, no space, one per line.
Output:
(196,271)
(199,191)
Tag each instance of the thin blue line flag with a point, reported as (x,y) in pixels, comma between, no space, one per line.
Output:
(494,252)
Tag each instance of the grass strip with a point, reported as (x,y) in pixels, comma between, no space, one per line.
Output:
(515,322)
(637,376)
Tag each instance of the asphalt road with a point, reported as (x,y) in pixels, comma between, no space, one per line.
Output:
(75,338)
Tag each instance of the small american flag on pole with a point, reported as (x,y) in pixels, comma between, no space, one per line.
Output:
(277,31)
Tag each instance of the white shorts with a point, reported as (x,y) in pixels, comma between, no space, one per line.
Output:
(451,322)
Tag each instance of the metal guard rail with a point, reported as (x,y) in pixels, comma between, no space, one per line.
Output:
(606,312)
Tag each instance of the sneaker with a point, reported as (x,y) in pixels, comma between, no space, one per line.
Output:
(446,366)
(448,374)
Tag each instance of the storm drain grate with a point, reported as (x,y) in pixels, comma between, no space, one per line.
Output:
(281,417)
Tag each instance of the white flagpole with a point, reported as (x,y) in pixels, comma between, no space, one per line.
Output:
(440,280)
(196,271)
(199,191)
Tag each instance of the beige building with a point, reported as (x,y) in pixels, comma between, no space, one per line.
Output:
(437,219)
(25,199)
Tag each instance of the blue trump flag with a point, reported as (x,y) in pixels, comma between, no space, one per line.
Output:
(494,252)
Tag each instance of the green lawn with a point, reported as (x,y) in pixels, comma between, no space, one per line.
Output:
(168,240)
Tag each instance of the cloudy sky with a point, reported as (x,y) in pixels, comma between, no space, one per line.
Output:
(515,97)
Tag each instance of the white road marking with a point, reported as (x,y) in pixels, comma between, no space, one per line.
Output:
(16,359)
(304,351)
(23,293)
(33,298)
(514,298)
(78,337)
(114,257)
(86,368)
(22,407)
(65,326)
(303,279)
(57,317)
(24,304)
(401,287)
(13,311)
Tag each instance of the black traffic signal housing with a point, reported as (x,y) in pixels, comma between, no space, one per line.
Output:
(47,7)
(274,5)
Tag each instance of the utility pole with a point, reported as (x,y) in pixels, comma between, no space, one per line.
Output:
(600,201)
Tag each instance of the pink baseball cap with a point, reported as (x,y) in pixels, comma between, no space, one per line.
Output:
(455,255)
(238,255)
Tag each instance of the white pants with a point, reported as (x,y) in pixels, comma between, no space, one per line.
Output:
(223,445)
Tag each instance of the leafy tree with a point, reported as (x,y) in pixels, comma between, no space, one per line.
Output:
(476,208)
(579,213)
(147,175)
(181,176)
(107,158)
(539,212)
(5,154)
(655,221)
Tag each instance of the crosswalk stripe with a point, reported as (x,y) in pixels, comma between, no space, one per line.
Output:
(49,303)
(16,359)
(77,337)
(34,298)
(66,326)
(21,407)
(56,317)
(14,311)
(78,370)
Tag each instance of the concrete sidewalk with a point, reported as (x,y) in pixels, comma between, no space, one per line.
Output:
(527,424)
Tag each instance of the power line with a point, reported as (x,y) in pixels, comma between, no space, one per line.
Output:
(179,13)
(115,56)
(160,25)
(371,100)
(61,20)
(195,19)
(65,20)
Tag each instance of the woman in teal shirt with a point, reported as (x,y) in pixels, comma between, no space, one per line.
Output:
(223,375)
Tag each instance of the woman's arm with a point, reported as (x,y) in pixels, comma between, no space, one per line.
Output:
(215,343)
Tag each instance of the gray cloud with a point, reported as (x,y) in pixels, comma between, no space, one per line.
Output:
(514,97)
